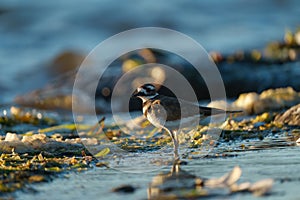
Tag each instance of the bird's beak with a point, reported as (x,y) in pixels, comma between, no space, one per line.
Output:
(135,94)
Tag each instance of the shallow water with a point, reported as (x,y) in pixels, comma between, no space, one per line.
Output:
(281,164)
(33,32)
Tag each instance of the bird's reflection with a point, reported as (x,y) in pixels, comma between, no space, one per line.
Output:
(173,184)
(179,184)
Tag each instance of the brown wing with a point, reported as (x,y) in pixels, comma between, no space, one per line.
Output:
(207,111)
(178,109)
(171,106)
(174,111)
(189,108)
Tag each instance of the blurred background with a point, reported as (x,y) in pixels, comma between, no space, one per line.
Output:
(42,42)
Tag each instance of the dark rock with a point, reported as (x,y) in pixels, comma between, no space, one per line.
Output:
(238,77)
(124,189)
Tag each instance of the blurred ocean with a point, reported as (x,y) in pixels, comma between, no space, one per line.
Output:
(33,32)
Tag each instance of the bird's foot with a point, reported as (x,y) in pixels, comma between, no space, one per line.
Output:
(179,162)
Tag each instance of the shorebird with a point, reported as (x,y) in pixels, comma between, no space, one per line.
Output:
(169,113)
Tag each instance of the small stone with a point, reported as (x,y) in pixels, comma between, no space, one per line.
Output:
(89,141)
(261,187)
(233,176)
(226,180)
(12,137)
(241,187)
(102,164)
(36,178)
(29,139)
(124,189)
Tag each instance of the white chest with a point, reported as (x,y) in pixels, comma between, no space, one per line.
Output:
(156,115)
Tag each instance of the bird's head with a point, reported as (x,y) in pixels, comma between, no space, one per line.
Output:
(146,91)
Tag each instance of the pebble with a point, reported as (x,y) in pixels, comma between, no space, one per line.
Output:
(36,178)
(11,137)
(261,187)
(28,139)
(89,141)
(124,189)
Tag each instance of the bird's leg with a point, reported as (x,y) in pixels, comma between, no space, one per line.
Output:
(174,137)
(175,142)
(175,167)
(176,145)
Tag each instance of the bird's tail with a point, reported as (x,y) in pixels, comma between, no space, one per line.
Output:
(207,111)
(233,111)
